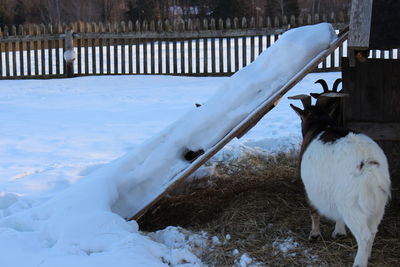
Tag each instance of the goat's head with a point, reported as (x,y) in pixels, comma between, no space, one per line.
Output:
(318,116)
(332,96)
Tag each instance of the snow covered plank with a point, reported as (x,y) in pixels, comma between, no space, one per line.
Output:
(248,122)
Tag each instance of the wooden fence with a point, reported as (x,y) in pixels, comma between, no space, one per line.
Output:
(206,47)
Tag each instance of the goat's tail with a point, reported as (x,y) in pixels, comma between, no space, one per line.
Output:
(375,187)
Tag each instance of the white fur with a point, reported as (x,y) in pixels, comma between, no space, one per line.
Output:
(342,191)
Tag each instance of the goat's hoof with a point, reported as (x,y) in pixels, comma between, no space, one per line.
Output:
(315,236)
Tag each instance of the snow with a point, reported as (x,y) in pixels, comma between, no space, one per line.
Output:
(63,198)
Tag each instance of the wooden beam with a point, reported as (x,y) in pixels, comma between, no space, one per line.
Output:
(360,24)
(243,126)
(378,131)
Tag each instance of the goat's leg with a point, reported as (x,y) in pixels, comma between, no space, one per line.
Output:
(315,230)
(358,225)
(340,229)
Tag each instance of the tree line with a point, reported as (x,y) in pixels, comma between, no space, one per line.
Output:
(14,12)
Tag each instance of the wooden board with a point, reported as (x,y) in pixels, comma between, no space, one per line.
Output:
(243,126)
(374,89)
(360,22)
(385,25)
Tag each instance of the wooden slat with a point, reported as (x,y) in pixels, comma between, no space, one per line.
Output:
(80,54)
(14,51)
(228,55)
(28,57)
(197,56)
(130,56)
(175,56)
(21,59)
(378,131)
(252,48)
(360,22)
(190,56)
(167,57)
(57,48)
(108,55)
(1,60)
(160,59)
(213,56)
(50,50)
(145,61)
(221,55)
(182,57)
(116,55)
(244,52)
(205,57)
(7,51)
(236,50)
(152,57)
(86,45)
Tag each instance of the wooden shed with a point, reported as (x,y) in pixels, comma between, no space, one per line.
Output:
(373,106)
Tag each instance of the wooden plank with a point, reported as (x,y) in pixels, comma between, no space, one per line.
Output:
(80,54)
(50,50)
(236,50)
(197,56)
(93,49)
(221,55)
(190,56)
(205,55)
(116,55)
(14,58)
(7,52)
(130,55)
(1,60)
(360,22)
(21,57)
(213,56)
(252,48)
(160,58)
(123,56)
(242,127)
(57,48)
(86,45)
(229,56)
(29,59)
(145,63)
(167,57)
(260,44)
(101,56)
(182,57)
(14,52)
(152,57)
(244,52)
(108,55)
(175,56)
(378,131)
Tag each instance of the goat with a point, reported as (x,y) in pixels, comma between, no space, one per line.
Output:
(345,175)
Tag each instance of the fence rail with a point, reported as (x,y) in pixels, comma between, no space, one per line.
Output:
(206,47)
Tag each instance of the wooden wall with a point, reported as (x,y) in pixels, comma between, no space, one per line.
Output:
(373,106)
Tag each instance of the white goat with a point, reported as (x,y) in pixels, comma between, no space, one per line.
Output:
(345,174)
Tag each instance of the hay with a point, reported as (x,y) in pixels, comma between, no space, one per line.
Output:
(260,202)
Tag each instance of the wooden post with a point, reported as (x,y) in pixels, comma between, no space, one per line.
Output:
(69,54)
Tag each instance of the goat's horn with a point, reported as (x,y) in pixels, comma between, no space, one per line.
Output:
(336,84)
(315,95)
(324,84)
(305,99)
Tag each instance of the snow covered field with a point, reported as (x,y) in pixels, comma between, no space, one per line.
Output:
(55,132)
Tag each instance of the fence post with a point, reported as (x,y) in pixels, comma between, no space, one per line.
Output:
(69,54)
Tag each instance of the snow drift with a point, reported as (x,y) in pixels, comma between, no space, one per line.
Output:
(84,225)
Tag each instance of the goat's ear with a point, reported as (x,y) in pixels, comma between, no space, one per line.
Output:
(299,111)
(315,95)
